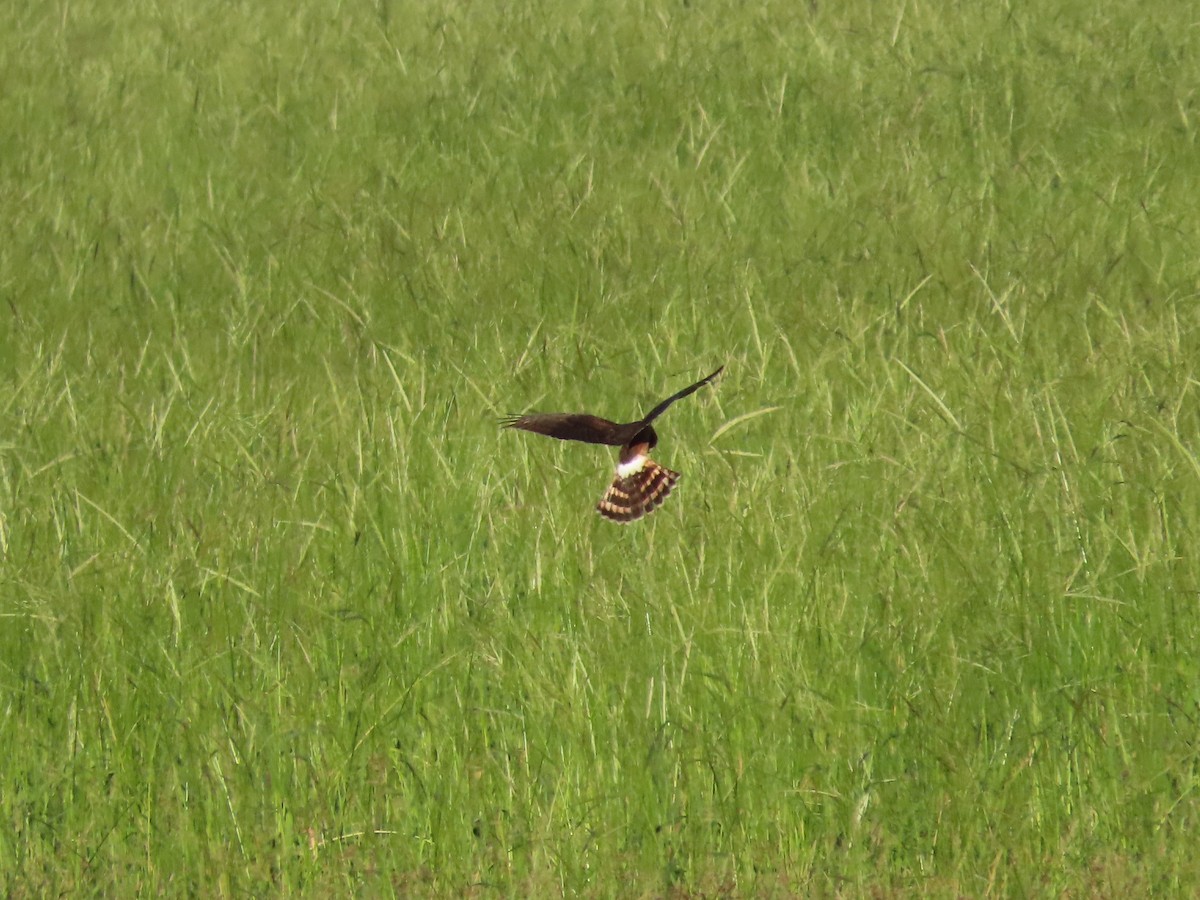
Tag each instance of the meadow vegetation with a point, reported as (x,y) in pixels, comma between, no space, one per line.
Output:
(283,611)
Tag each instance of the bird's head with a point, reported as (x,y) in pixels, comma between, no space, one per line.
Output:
(647,436)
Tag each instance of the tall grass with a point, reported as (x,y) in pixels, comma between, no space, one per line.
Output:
(284,611)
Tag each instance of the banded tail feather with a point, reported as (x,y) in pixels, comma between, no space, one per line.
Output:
(635,492)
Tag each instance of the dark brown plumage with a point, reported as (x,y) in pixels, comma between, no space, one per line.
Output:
(641,485)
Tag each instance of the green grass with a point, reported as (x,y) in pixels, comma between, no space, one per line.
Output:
(283,611)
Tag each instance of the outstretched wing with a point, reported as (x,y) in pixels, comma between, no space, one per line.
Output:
(662,407)
(569,427)
(636,493)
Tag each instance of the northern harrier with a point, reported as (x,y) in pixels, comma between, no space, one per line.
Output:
(641,484)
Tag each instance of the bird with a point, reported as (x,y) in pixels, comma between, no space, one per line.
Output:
(640,485)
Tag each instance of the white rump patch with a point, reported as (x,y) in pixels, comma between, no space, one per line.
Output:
(635,465)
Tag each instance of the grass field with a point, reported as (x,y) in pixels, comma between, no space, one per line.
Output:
(283,611)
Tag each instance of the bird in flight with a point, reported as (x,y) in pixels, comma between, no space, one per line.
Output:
(640,485)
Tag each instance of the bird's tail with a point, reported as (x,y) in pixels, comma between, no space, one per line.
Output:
(635,494)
